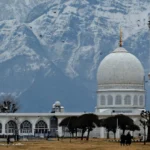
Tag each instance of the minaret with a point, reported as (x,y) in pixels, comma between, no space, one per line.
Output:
(120,42)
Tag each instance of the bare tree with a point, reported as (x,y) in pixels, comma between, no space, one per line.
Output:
(145,115)
(9,104)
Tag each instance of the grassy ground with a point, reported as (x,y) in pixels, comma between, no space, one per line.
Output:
(92,144)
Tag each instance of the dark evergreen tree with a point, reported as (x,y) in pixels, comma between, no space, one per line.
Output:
(87,122)
(133,128)
(70,123)
(110,124)
(123,122)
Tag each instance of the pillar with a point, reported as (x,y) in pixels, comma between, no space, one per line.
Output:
(33,126)
(60,133)
(102,132)
(118,133)
(3,127)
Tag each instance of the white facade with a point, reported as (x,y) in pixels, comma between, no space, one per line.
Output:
(47,125)
(120,91)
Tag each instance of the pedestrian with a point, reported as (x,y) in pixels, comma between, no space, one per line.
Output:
(8,140)
(57,135)
(128,139)
(122,140)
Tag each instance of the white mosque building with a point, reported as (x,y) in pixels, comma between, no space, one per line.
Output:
(120,78)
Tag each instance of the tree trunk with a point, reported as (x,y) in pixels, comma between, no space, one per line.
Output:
(72,134)
(148,134)
(107,134)
(87,138)
(82,134)
(76,133)
(114,135)
(123,131)
(70,137)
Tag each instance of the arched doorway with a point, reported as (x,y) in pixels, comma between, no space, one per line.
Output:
(53,126)
(41,128)
(11,127)
(26,127)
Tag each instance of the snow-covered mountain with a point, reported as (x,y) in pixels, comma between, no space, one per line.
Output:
(50,49)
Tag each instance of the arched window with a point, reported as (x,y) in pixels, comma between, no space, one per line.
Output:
(135,100)
(41,127)
(26,127)
(0,128)
(110,100)
(118,100)
(127,100)
(102,100)
(11,127)
(141,100)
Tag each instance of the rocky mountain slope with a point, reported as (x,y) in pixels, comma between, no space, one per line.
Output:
(50,49)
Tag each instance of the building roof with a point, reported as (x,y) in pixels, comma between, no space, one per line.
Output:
(65,114)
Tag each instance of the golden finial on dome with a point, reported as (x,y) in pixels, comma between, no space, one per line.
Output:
(120,42)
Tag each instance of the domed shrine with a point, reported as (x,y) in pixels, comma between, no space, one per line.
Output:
(120,79)
(120,90)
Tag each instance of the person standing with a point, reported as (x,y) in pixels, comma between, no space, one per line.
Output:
(8,140)
(128,139)
(122,140)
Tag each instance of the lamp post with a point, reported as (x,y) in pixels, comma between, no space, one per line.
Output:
(113,111)
(117,128)
(17,130)
(144,124)
(6,111)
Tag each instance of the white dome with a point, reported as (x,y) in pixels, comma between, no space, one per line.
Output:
(120,67)
(57,104)
(53,106)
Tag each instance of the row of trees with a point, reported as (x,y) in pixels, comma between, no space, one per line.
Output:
(112,123)
(87,122)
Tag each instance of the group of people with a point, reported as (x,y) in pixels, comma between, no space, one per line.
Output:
(126,139)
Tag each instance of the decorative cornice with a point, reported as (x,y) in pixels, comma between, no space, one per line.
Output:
(121,87)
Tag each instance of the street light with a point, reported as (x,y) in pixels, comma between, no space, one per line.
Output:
(113,111)
(144,124)
(6,111)
(16,130)
(118,131)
